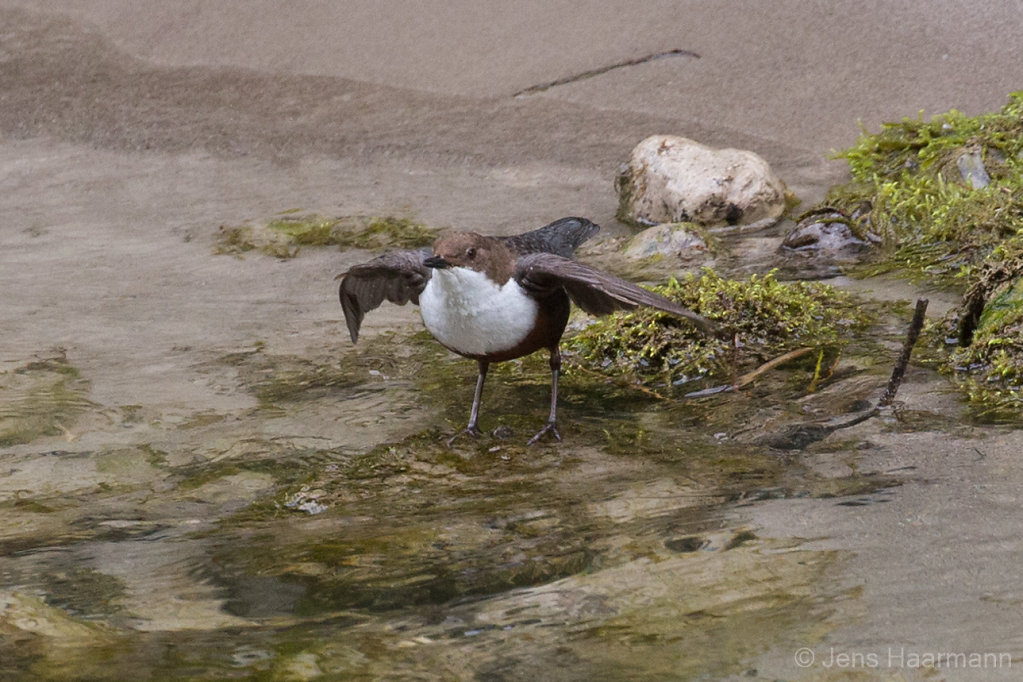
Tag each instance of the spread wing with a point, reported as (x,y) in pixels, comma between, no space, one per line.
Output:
(562,237)
(596,292)
(397,276)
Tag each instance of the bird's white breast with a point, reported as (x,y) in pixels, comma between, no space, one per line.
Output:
(470,313)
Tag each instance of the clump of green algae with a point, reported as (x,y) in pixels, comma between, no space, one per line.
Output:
(763,318)
(942,193)
(285,235)
(947,197)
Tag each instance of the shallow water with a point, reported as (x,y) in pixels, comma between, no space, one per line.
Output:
(327,530)
(286,507)
(201,479)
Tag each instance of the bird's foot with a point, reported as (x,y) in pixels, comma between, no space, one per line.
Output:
(470,430)
(551,428)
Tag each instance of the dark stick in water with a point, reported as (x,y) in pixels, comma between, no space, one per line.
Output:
(907,349)
(798,436)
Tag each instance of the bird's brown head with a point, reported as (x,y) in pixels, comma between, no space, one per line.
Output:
(472,251)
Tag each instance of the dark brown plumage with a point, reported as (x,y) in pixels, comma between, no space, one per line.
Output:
(498,298)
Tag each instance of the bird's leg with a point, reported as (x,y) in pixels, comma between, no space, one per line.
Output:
(474,414)
(472,429)
(552,420)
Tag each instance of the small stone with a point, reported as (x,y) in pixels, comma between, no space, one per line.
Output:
(503,432)
(686,544)
(671,179)
(306,501)
(677,240)
(312,507)
(972,170)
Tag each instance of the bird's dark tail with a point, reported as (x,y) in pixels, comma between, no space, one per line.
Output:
(562,237)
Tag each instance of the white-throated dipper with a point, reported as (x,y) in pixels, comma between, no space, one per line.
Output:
(498,298)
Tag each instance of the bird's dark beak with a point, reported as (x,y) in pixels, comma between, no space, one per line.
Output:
(436,262)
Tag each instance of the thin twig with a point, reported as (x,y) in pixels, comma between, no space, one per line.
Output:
(750,377)
(604,69)
(907,349)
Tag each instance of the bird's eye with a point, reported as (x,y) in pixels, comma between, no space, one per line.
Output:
(470,252)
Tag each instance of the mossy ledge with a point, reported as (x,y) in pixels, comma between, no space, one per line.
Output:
(943,193)
(982,339)
(763,318)
(284,235)
(946,196)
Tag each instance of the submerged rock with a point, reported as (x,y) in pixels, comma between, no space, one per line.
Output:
(680,241)
(829,231)
(23,614)
(671,179)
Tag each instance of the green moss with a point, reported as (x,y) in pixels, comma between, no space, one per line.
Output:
(937,226)
(1004,310)
(763,317)
(377,233)
(311,230)
(914,143)
(946,195)
(987,362)
(285,235)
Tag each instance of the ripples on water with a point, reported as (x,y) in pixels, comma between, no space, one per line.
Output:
(230,546)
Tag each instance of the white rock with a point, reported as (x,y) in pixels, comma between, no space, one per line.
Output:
(672,179)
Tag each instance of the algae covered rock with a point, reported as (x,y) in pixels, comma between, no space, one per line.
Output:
(284,235)
(763,318)
(943,193)
(671,179)
(54,641)
(680,241)
(946,197)
(43,397)
(832,232)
